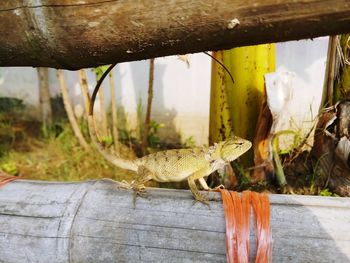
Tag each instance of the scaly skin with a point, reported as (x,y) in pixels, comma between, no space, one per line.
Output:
(191,164)
(173,165)
(178,165)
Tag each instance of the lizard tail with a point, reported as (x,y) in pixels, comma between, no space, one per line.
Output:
(119,162)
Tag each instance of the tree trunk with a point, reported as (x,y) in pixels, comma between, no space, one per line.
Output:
(69,110)
(44,97)
(84,90)
(149,107)
(220,119)
(248,65)
(74,34)
(332,141)
(235,104)
(342,87)
(328,89)
(114,111)
(103,114)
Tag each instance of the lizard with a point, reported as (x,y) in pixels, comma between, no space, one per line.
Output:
(173,165)
(177,165)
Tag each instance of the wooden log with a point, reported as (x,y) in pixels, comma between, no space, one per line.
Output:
(74,34)
(96,222)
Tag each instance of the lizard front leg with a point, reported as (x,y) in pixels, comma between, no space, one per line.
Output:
(193,187)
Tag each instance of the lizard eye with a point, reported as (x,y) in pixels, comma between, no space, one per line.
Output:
(233,148)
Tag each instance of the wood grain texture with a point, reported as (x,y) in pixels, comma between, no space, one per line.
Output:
(74,34)
(96,222)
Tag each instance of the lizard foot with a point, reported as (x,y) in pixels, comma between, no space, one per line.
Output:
(134,185)
(138,188)
(139,191)
(286,189)
(125,185)
(201,198)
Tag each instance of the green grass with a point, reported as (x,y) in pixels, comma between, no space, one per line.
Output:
(58,158)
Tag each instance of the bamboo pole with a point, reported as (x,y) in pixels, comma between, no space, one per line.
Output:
(74,34)
(96,221)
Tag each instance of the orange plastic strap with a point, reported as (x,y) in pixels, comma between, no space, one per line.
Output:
(237,214)
(261,206)
(5,179)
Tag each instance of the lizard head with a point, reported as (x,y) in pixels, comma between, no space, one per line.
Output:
(234,147)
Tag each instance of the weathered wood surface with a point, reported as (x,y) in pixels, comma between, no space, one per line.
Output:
(95,222)
(75,34)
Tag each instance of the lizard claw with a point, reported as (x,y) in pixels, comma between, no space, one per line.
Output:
(139,189)
(218,188)
(200,198)
(125,185)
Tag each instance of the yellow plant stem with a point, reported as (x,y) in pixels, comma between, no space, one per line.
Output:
(235,106)
(220,126)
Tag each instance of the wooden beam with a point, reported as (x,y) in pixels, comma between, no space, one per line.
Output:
(96,222)
(74,34)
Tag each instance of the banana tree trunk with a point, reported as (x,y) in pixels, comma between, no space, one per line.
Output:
(235,106)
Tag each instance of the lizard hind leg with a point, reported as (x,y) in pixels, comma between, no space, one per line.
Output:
(199,175)
(144,175)
(137,185)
